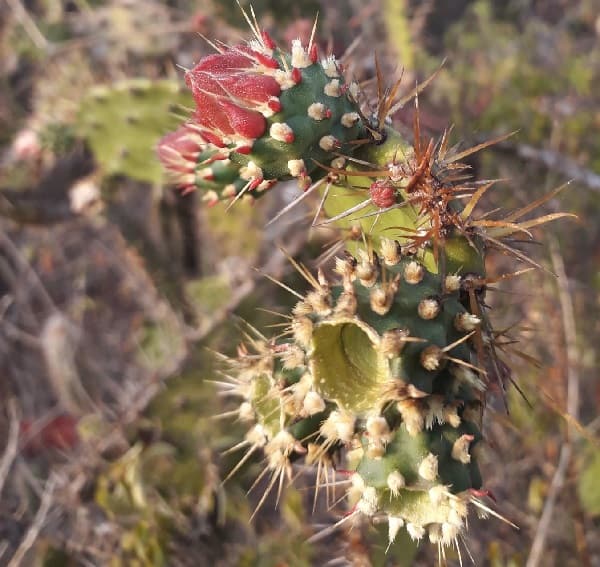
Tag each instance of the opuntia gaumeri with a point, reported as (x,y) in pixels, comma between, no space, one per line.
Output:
(386,370)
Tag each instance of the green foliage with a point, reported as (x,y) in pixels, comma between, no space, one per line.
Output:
(58,137)
(159,342)
(397,24)
(209,294)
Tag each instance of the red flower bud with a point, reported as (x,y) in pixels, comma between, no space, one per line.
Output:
(232,90)
(181,143)
(268,40)
(274,104)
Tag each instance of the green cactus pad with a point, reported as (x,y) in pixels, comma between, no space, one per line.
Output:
(353,357)
(123,122)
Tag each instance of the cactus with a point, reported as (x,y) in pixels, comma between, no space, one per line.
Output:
(123,122)
(386,370)
(277,113)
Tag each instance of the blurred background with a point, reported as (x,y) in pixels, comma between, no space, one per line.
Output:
(116,291)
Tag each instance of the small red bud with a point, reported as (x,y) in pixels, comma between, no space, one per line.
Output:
(296,75)
(481,493)
(383,193)
(313,53)
(267,61)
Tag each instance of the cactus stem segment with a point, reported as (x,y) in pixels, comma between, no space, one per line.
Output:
(382,371)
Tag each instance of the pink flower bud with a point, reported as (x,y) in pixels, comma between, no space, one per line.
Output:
(182,142)
(178,151)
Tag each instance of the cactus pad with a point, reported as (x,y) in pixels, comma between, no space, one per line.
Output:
(123,122)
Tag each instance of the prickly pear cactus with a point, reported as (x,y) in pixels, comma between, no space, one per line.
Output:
(384,374)
(123,122)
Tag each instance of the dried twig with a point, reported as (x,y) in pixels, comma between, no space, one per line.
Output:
(569,328)
(28,24)
(12,444)
(37,524)
(30,274)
